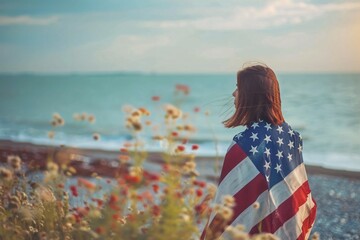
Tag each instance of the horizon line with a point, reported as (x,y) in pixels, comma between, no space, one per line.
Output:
(159,73)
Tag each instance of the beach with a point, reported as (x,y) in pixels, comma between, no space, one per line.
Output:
(335,191)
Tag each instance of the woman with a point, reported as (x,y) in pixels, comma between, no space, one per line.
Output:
(263,169)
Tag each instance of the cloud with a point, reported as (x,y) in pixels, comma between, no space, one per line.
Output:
(276,13)
(27,20)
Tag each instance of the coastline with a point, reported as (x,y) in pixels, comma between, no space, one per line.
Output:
(104,162)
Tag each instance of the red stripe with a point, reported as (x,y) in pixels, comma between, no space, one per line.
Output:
(232,158)
(248,194)
(308,223)
(284,212)
(244,198)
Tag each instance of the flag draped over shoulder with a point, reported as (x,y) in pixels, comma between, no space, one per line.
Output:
(263,167)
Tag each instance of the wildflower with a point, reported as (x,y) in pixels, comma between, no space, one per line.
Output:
(45,194)
(174,134)
(96,136)
(189,167)
(256,205)
(14,162)
(98,201)
(77,117)
(86,184)
(201,184)
(57,120)
(144,111)
(196,109)
(315,236)
(200,208)
(51,134)
(83,116)
(156,210)
(147,123)
(155,188)
(137,126)
(5,174)
(124,150)
(113,199)
(14,202)
(151,176)
(189,128)
(199,192)
(123,158)
(194,147)
(155,98)
(182,88)
(185,217)
(172,112)
(100,230)
(52,167)
(228,201)
(74,191)
(226,212)
(91,118)
(180,148)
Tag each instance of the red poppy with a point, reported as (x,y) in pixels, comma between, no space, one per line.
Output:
(181,148)
(155,98)
(195,147)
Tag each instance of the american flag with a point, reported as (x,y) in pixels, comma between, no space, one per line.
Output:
(264,166)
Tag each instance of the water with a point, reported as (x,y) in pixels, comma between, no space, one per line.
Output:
(324,108)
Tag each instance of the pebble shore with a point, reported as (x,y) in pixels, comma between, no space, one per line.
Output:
(338,206)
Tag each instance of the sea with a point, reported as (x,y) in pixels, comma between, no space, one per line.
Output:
(324,108)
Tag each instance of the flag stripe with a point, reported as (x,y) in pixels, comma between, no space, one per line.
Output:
(236,179)
(284,212)
(269,201)
(308,223)
(232,158)
(248,194)
(298,220)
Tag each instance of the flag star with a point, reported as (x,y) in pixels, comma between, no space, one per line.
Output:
(280,141)
(279,129)
(239,135)
(300,148)
(291,144)
(267,165)
(267,152)
(267,126)
(255,125)
(289,157)
(279,154)
(267,178)
(291,132)
(253,150)
(300,136)
(254,136)
(267,138)
(278,168)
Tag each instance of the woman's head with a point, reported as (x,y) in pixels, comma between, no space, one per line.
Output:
(257,96)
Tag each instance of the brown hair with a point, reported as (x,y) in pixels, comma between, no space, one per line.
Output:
(258,97)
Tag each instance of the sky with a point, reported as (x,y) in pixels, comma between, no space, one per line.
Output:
(178,36)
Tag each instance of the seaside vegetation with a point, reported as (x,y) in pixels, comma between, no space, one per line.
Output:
(171,204)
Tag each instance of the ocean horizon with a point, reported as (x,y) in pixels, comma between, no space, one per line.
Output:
(323,107)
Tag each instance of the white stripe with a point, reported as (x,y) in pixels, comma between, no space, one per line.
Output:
(235,180)
(269,201)
(293,227)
